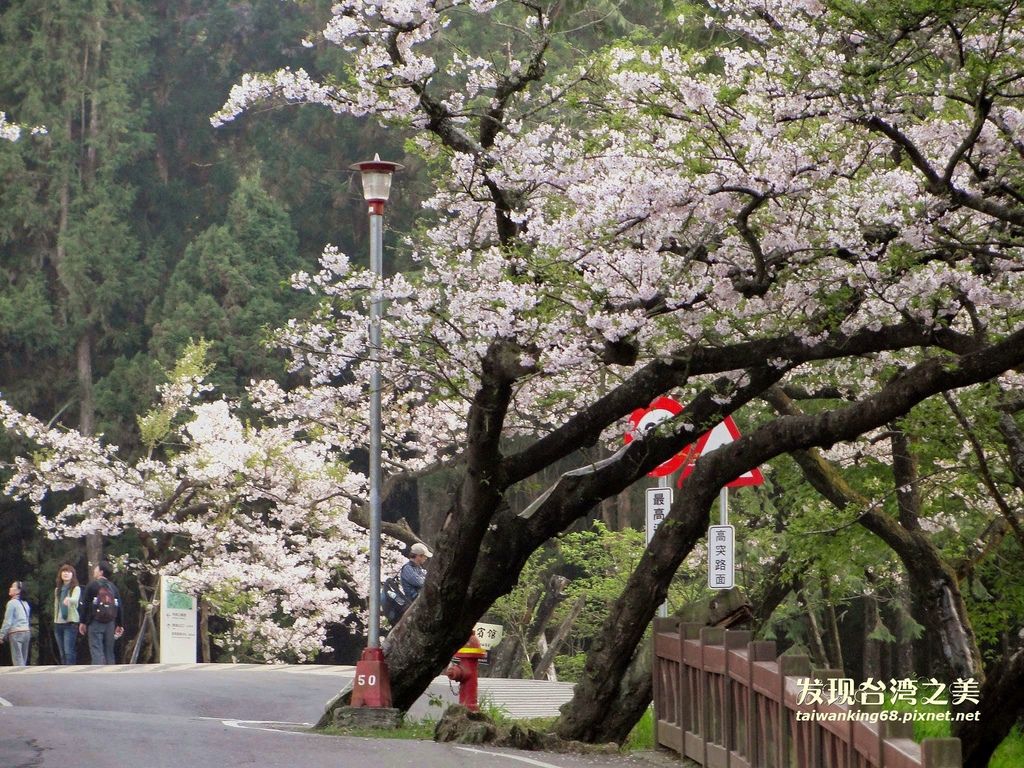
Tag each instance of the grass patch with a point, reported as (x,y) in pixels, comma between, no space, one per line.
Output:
(642,735)
(1010,753)
(422,730)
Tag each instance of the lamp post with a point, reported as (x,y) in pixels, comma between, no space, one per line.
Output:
(372,688)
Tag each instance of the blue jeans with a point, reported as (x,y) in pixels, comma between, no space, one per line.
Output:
(101,642)
(67,636)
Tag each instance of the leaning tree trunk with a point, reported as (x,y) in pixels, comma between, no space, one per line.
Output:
(1000,707)
(933,582)
(547,658)
(606,700)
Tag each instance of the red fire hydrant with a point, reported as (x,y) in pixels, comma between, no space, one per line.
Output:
(463,670)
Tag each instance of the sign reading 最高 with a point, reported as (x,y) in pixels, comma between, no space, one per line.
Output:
(721,557)
(659,500)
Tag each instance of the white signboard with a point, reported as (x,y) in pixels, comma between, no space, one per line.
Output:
(721,557)
(489,635)
(178,626)
(659,500)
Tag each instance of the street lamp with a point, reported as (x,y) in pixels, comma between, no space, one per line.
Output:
(372,687)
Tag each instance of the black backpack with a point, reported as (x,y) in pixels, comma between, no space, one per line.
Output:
(393,601)
(104,605)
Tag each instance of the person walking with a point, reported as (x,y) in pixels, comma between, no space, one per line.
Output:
(65,613)
(413,574)
(16,628)
(100,615)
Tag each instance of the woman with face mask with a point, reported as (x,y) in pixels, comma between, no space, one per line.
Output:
(15,628)
(65,613)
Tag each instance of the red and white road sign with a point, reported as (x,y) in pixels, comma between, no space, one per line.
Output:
(645,419)
(661,408)
(723,433)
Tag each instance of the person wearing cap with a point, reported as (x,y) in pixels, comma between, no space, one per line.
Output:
(413,574)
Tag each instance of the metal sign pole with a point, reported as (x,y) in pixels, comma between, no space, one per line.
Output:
(665,481)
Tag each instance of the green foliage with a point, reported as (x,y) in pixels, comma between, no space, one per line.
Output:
(597,562)
(192,366)
(1010,754)
(996,604)
(421,730)
(231,287)
(641,738)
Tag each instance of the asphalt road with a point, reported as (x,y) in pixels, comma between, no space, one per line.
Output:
(219,716)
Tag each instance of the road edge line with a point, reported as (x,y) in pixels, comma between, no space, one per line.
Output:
(528,760)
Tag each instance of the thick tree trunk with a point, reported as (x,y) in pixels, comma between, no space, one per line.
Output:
(205,651)
(596,712)
(1002,701)
(596,701)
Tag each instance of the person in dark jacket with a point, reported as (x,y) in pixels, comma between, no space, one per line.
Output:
(413,573)
(102,634)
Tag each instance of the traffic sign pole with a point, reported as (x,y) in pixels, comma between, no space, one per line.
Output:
(665,481)
(723,505)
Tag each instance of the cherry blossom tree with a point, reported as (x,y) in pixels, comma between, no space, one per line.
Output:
(253,515)
(832,194)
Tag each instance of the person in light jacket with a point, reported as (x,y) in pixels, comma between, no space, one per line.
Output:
(16,627)
(65,613)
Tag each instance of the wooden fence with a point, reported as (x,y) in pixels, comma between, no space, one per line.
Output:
(725,701)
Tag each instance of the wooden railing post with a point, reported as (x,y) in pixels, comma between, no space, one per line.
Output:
(693,715)
(734,639)
(714,720)
(941,753)
(843,753)
(789,666)
(757,651)
(657,669)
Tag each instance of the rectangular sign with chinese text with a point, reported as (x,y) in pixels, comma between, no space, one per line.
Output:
(178,627)
(489,635)
(659,500)
(721,557)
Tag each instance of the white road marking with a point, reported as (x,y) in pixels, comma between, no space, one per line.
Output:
(5,703)
(527,760)
(253,725)
(86,669)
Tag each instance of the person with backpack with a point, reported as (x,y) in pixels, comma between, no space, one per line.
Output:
(413,573)
(398,592)
(65,613)
(16,626)
(100,615)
